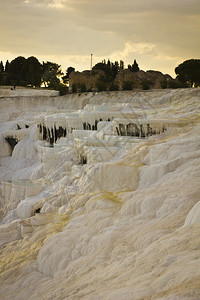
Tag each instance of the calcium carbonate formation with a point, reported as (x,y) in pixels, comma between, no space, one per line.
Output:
(100,195)
(55,126)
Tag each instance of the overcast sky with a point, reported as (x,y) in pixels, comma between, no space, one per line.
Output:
(159,34)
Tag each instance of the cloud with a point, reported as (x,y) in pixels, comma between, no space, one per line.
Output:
(145,29)
(133,49)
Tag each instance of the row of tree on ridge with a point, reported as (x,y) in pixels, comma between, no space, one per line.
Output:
(30,72)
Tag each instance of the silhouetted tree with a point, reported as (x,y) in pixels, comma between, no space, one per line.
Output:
(51,74)
(188,72)
(18,71)
(30,71)
(1,67)
(135,67)
(129,67)
(7,67)
(110,69)
(115,69)
(68,72)
(4,74)
(33,71)
(102,66)
(121,65)
(1,73)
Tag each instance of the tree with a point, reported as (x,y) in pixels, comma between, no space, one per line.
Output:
(68,72)
(110,70)
(62,88)
(115,69)
(4,74)
(1,73)
(7,67)
(18,71)
(188,72)
(113,87)
(1,67)
(102,66)
(129,67)
(51,74)
(135,67)
(33,71)
(102,83)
(127,85)
(121,65)
(146,84)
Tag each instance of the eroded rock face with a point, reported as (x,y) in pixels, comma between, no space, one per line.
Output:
(104,212)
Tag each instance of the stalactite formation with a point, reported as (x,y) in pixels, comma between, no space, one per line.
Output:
(139,130)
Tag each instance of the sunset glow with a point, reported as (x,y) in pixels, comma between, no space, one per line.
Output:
(159,34)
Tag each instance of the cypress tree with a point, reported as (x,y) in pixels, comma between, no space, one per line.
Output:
(135,67)
(1,67)
(7,67)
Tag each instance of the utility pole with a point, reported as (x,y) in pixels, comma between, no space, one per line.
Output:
(91,74)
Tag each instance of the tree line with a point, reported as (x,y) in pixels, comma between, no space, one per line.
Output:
(111,70)
(187,75)
(30,72)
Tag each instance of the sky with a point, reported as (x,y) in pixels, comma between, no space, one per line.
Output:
(159,34)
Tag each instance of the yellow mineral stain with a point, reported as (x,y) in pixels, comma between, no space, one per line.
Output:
(16,254)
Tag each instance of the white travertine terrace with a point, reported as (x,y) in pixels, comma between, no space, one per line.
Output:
(17,134)
(100,195)
(52,127)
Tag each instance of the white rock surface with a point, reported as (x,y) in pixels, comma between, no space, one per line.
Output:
(125,225)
